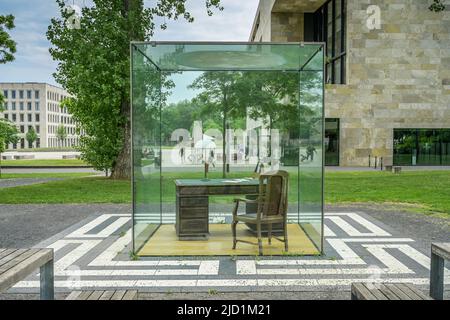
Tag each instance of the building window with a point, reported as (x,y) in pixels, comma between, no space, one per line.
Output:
(330,27)
(29,94)
(6,105)
(13,106)
(22,118)
(332,142)
(22,129)
(20,94)
(6,116)
(38,129)
(13,94)
(36,106)
(29,107)
(5,94)
(421,147)
(21,106)
(36,95)
(14,117)
(30,119)
(37,117)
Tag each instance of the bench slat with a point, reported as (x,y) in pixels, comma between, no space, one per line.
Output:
(17,260)
(398,292)
(374,289)
(130,295)
(107,295)
(95,295)
(441,249)
(73,295)
(411,293)
(118,295)
(7,252)
(418,292)
(24,268)
(11,256)
(361,292)
(388,293)
(84,295)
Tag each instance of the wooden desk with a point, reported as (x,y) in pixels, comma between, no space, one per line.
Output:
(17,264)
(192,202)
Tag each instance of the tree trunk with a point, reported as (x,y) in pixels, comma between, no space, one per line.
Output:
(122,165)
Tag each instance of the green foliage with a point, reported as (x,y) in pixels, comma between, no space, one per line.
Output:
(8,130)
(61,133)
(31,135)
(7,45)
(94,65)
(437,6)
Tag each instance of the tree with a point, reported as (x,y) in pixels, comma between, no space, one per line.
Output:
(31,136)
(7,45)
(8,130)
(437,6)
(61,134)
(94,64)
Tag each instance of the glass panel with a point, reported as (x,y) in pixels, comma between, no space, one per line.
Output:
(332,142)
(208,119)
(405,142)
(444,137)
(429,148)
(146,83)
(311,155)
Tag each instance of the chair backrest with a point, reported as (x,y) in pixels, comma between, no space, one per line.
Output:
(273,190)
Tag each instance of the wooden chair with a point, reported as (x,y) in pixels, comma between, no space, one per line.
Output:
(272,205)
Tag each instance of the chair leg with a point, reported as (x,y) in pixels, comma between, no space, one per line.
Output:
(286,247)
(233,230)
(258,230)
(269,235)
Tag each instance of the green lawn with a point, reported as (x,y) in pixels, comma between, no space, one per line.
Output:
(43,163)
(425,191)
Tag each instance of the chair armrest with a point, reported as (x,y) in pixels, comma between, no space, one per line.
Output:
(245,200)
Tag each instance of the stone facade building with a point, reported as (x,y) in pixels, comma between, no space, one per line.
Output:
(37,105)
(388,74)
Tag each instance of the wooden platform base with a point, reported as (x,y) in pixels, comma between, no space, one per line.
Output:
(165,243)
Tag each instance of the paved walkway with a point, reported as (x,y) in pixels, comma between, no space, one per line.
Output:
(95,254)
(10,183)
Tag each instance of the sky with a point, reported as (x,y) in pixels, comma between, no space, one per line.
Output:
(33,62)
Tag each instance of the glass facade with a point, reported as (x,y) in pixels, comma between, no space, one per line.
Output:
(421,147)
(222,113)
(330,27)
(332,142)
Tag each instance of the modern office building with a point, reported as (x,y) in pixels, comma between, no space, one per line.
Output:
(387,75)
(38,105)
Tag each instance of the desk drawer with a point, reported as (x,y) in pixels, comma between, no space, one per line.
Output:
(194,202)
(192,213)
(193,190)
(192,226)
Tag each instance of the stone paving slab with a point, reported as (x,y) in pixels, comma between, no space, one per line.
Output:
(93,255)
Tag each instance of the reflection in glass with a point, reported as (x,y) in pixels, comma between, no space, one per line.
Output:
(224,113)
(425,147)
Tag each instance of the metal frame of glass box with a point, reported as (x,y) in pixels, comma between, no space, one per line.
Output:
(152,62)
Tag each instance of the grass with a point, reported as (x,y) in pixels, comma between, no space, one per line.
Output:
(43,163)
(423,191)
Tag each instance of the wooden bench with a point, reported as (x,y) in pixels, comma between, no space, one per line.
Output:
(386,291)
(17,264)
(439,253)
(103,295)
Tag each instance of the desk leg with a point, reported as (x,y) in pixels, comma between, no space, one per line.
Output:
(437,277)
(47,281)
